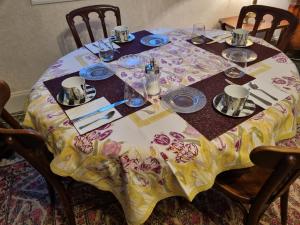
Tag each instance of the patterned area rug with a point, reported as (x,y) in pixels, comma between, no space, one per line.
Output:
(24,200)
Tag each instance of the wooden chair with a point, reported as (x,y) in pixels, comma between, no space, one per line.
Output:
(276,168)
(84,14)
(278,16)
(30,145)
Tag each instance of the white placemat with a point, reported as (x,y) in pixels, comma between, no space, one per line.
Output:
(96,119)
(270,89)
(94,47)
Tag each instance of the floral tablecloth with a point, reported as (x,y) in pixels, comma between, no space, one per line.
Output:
(154,154)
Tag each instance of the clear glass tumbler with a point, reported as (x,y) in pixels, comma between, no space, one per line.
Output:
(240,57)
(106,51)
(136,98)
(198,33)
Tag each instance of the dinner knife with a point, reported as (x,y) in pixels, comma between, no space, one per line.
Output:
(261,99)
(102,109)
(220,38)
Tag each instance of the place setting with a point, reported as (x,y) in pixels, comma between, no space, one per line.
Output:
(237,42)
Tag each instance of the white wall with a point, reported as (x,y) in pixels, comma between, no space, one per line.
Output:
(33,37)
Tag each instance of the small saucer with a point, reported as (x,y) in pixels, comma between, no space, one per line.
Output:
(248,43)
(131,37)
(98,71)
(247,110)
(63,100)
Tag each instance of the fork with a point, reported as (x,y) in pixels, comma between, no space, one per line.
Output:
(255,87)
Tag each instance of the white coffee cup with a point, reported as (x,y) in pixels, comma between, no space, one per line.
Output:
(239,37)
(121,33)
(235,97)
(74,88)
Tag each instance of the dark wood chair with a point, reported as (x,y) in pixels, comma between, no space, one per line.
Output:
(30,145)
(84,14)
(276,168)
(278,16)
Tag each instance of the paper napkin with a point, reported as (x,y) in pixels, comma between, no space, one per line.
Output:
(267,87)
(218,35)
(93,47)
(90,107)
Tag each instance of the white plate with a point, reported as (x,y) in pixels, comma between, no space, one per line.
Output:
(98,71)
(131,37)
(155,40)
(247,110)
(63,100)
(132,61)
(184,100)
(236,54)
(248,43)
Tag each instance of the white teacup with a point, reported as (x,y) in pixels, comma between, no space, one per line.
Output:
(74,88)
(235,97)
(121,33)
(239,37)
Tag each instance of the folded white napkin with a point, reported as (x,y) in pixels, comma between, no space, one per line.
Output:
(94,47)
(218,35)
(90,107)
(270,89)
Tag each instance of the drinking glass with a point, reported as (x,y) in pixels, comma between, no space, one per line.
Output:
(240,57)
(198,33)
(135,99)
(106,51)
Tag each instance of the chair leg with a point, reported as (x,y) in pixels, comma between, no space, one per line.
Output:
(51,194)
(284,207)
(65,199)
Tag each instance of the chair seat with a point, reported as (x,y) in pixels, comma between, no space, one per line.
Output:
(243,184)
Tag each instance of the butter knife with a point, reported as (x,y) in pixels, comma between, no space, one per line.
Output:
(102,109)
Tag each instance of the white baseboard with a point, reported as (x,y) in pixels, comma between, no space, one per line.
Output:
(17,101)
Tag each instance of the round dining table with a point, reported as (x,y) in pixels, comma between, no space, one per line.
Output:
(155,153)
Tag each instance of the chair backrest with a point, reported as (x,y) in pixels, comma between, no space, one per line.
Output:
(278,16)
(27,143)
(285,166)
(84,13)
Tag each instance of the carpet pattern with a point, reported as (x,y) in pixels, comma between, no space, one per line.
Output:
(24,200)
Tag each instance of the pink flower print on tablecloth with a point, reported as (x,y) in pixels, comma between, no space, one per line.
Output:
(280,58)
(175,144)
(51,100)
(191,131)
(189,152)
(176,135)
(140,168)
(138,74)
(161,139)
(123,74)
(279,81)
(57,64)
(111,149)
(151,164)
(84,143)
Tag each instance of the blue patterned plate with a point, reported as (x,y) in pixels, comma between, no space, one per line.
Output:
(96,72)
(155,40)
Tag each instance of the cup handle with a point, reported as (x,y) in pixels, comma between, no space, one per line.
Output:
(79,93)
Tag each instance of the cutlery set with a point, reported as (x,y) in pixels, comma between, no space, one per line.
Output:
(100,110)
(255,87)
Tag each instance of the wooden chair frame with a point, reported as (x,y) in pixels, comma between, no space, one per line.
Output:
(278,15)
(84,13)
(283,165)
(30,145)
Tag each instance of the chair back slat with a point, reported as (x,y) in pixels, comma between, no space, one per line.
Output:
(84,14)
(278,15)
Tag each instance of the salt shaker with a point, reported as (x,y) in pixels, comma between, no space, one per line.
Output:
(152,79)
